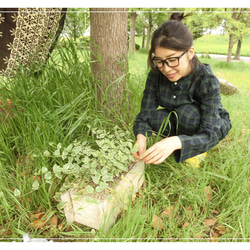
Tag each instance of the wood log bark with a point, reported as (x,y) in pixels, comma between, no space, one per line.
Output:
(227,88)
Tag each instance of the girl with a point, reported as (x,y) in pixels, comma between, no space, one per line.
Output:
(179,82)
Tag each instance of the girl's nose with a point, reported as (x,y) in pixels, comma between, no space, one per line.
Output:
(166,68)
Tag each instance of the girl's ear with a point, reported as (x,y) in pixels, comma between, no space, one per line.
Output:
(191,53)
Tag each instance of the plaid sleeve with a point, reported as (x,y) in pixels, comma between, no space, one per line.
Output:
(211,129)
(148,106)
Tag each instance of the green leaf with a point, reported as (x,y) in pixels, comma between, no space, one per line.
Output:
(122,166)
(61,205)
(96,179)
(99,189)
(57,168)
(35,185)
(57,152)
(104,184)
(90,189)
(46,153)
(17,192)
(77,149)
(135,148)
(104,171)
(59,146)
(59,176)
(44,170)
(107,178)
(47,176)
(57,196)
(69,148)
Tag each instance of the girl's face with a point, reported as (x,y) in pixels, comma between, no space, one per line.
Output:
(183,69)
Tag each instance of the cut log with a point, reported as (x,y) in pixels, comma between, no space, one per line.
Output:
(101,212)
(227,88)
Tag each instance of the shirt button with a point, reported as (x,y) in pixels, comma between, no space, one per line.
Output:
(174,96)
(175,83)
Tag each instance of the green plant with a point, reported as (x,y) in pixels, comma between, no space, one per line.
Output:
(92,165)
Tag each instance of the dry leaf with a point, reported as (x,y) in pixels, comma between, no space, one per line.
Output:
(38,223)
(215,212)
(190,212)
(54,221)
(199,235)
(157,222)
(186,224)
(38,215)
(221,229)
(207,193)
(168,212)
(210,222)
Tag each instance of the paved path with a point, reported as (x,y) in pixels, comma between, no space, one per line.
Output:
(224,58)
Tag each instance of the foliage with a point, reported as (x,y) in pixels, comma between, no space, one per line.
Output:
(76,22)
(96,166)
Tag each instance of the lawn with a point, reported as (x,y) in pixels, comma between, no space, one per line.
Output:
(176,203)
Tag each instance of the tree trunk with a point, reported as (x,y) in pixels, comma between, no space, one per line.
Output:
(230,48)
(149,31)
(143,39)
(237,55)
(148,36)
(109,45)
(132,33)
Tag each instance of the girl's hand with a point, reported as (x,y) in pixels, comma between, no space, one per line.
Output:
(161,150)
(141,142)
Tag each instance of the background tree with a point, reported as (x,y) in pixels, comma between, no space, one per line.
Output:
(245,17)
(132,15)
(76,23)
(150,19)
(109,45)
(235,25)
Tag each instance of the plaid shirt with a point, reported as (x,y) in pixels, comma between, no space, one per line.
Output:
(201,88)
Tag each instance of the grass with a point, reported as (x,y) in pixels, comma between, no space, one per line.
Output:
(215,44)
(218,44)
(59,104)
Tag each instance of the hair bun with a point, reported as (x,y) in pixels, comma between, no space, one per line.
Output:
(177,16)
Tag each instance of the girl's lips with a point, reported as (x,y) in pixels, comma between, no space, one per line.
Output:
(171,75)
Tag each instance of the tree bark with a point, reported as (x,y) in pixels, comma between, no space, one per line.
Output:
(143,39)
(237,55)
(109,46)
(132,32)
(230,48)
(149,27)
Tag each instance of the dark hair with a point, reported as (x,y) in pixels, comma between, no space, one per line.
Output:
(172,34)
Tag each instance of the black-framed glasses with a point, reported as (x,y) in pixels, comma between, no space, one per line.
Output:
(171,61)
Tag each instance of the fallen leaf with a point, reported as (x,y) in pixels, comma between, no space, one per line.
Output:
(221,229)
(207,193)
(38,223)
(210,222)
(54,221)
(190,212)
(186,224)
(215,212)
(157,223)
(38,215)
(168,212)
(199,235)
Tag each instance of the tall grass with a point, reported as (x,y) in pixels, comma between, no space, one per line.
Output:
(49,107)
